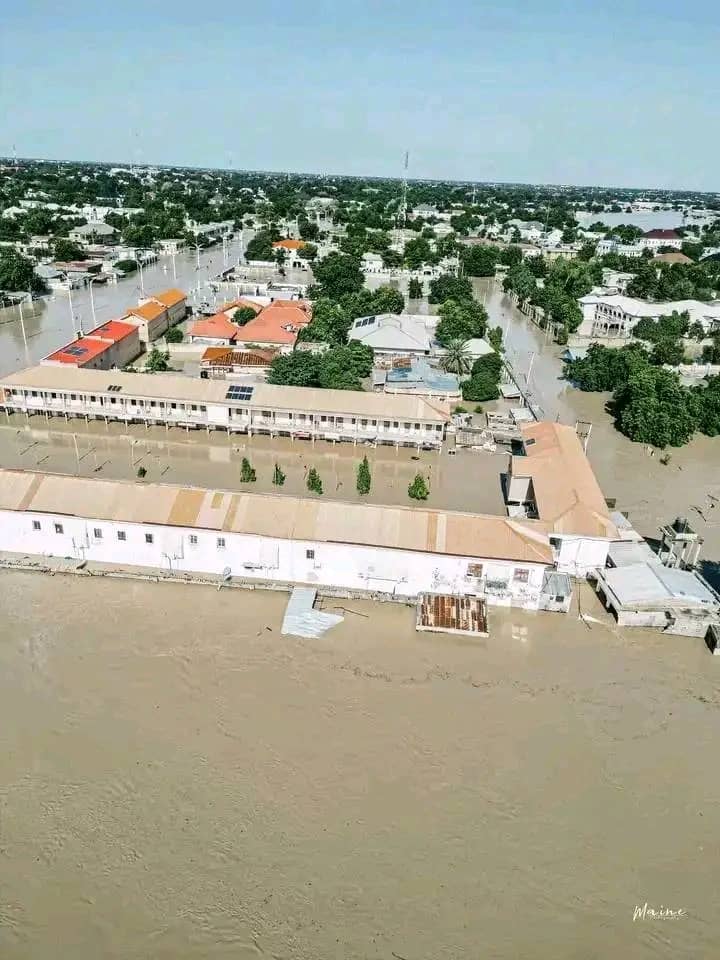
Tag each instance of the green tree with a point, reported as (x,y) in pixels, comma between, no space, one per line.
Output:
(278,476)
(460,320)
(174,335)
(495,338)
(308,252)
(126,266)
(654,408)
(667,351)
(417,252)
(17,273)
(511,256)
(338,274)
(449,287)
(66,250)
(480,260)
(521,281)
(708,407)
(247,472)
(157,362)
(244,315)
(480,387)
(415,289)
(418,489)
(457,358)
(314,483)
(260,247)
(364,478)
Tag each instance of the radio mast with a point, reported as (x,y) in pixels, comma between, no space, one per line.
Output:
(403,202)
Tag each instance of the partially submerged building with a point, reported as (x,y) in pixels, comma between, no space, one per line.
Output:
(165,399)
(552,480)
(396,552)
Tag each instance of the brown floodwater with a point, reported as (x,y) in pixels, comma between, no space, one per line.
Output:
(179,781)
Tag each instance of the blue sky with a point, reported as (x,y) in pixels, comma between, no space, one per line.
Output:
(617,93)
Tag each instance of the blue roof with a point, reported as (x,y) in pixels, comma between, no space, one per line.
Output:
(420,375)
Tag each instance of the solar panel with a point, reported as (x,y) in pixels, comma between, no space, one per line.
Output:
(237,392)
(114,388)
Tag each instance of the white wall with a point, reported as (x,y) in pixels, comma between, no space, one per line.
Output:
(400,572)
(578,556)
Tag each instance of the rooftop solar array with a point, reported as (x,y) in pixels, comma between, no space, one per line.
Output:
(365,322)
(237,392)
(114,388)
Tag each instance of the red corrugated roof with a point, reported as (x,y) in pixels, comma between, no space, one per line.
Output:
(277,323)
(79,351)
(215,327)
(113,331)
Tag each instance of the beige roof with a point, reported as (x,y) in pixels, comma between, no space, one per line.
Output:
(265,396)
(567,495)
(284,517)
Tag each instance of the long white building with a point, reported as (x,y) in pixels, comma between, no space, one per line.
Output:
(616,316)
(259,408)
(397,551)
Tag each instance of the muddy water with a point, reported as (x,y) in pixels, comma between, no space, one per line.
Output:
(179,781)
(467,481)
(648,491)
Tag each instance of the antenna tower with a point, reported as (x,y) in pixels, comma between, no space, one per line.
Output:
(403,201)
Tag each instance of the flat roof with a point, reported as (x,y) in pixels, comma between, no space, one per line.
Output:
(266,396)
(287,518)
(651,584)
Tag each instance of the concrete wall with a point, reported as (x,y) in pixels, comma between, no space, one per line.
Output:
(395,572)
(579,556)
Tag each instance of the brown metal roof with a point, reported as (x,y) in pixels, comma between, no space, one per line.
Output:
(284,517)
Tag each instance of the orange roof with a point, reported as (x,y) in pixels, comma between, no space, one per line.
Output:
(217,327)
(290,244)
(237,304)
(303,305)
(170,297)
(566,492)
(79,351)
(113,331)
(148,311)
(277,323)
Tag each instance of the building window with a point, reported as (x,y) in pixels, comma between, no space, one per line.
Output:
(192,539)
(309,554)
(58,528)
(521,575)
(395,424)
(386,424)
(406,426)
(121,535)
(221,543)
(97,533)
(149,538)
(36,525)
(203,409)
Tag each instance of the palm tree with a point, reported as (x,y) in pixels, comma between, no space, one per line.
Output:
(457,358)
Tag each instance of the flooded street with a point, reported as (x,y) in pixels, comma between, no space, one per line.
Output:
(648,491)
(179,781)
(466,481)
(55,319)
